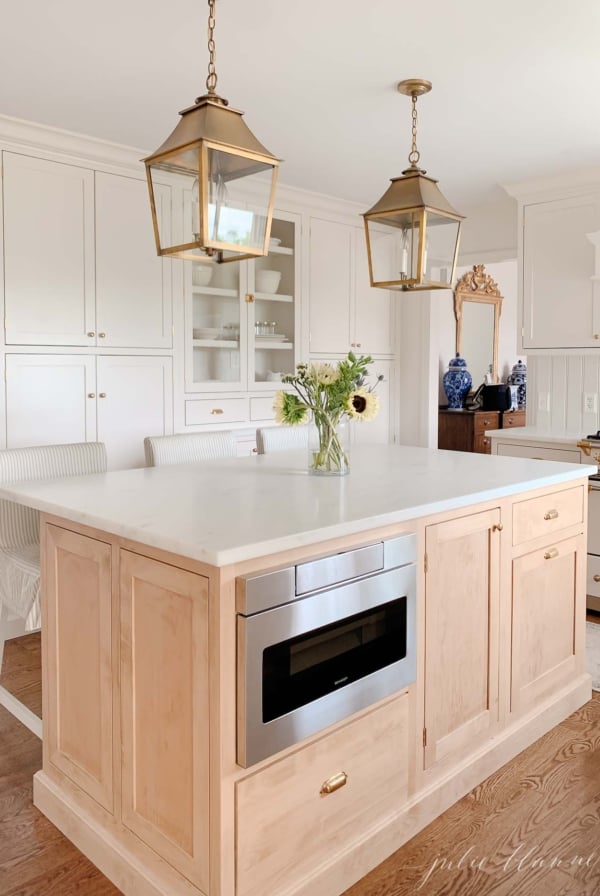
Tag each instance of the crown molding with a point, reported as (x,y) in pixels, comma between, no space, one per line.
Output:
(570,183)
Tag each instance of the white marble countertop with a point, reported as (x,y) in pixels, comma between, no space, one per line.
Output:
(534,434)
(228,510)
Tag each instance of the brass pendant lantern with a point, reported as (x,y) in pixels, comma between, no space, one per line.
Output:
(421,224)
(220,177)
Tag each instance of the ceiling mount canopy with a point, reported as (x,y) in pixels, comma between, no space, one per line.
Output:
(220,177)
(415,217)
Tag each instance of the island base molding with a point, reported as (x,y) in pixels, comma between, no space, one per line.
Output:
(130,870)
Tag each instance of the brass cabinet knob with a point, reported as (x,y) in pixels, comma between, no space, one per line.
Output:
(551,554)
(249,297)
(359,344)
(486,422)
(91,394)
(101,335)
(486,441)
(596,578)
(497,527)
(102,394)
(91,333)
(596,335)
(334,783)
(551,515)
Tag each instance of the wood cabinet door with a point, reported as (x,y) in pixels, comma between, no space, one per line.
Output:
(133,284)
(164,698)
(330,286)
(559,299)
(135,400)
(462,587)
(78,628)
(374,309)
(48,252)
(547,628)
(50,399)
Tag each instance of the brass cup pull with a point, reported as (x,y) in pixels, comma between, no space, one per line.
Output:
(596,578)
(334,783)
(497,527)
(217,411)
(551,554)
(551,515)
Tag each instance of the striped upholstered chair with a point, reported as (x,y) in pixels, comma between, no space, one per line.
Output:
(188,447)
(281,438)
(20,530)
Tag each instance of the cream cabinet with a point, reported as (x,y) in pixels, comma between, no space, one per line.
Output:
(345,312)
(560,297)
(242,327)
(116,399)
(79,259)
(462,594)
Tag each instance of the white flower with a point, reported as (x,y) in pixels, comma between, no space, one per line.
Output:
(324,373)
(362,405)
(278,406)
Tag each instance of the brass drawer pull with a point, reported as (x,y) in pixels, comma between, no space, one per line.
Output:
(551,554)
(551,515)
(334,783)
(217,411)
(596,578)
(497,527)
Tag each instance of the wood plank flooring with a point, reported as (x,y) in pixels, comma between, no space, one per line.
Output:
(531,829)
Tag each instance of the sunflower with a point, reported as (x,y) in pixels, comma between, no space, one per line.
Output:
(289,409)
(324,373)
(362,405)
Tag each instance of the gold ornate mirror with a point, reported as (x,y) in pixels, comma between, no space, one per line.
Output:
(477,308)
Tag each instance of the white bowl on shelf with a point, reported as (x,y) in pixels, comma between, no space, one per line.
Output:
(206,332)
(267,281)
(274,242)
(202,275)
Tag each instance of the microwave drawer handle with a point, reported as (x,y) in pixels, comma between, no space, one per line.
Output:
(334,783)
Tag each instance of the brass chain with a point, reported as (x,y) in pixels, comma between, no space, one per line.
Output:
(211,80)
(414,154)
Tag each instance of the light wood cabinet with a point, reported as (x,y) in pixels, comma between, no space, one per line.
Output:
(116,399)
(346,313)
(286,821)
(560,300)
(164,704)
(462,592)
(80,715)
(96,279)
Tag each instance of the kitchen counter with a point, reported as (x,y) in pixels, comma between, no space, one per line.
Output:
(229,510)
(538,435)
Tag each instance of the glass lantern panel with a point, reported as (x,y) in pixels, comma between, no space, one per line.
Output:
(394,248)
(178,172)
(239,193)
(442,237)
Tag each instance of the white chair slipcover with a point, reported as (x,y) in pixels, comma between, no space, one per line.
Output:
(188,447)
(20,525)
(281,438)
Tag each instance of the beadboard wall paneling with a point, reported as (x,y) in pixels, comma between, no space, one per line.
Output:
(556,386)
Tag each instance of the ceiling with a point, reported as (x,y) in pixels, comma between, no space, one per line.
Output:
(515,84)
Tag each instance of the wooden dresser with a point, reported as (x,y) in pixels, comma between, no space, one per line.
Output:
(464,430)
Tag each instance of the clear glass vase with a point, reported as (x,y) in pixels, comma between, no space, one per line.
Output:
(329,445)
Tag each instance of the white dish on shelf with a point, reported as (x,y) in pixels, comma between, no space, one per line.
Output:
(280,337)
(274,242)
(267,281)
(206,332)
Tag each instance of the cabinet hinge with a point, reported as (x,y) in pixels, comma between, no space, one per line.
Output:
(424,737)
(425,562)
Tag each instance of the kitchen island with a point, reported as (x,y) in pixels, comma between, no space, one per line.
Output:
(142,702)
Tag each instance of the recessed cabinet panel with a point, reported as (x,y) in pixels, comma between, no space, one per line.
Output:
(558,263)
(133,284)
(47,399)
(330,286)
(48,252)
(374,309)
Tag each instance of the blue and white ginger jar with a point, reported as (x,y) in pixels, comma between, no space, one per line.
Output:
(518,378)
(457,381)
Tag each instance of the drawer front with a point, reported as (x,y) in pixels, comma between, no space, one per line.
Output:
(564,455)
(593,575)
(211,411)
(487,420)
(513,418)
(262,408)
(548,514)
(482,444)
(287,824)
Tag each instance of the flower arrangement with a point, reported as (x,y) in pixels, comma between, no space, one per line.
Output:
(333,394)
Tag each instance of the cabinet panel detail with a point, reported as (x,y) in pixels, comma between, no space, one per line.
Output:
(164,682)
(79,729)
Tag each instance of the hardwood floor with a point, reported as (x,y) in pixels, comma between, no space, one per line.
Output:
(21,671)
(531,829)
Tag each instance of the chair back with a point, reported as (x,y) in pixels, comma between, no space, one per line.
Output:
(188,447)
(281,438)
(20,525)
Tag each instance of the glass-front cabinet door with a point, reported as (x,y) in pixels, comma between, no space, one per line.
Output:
(242,317)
